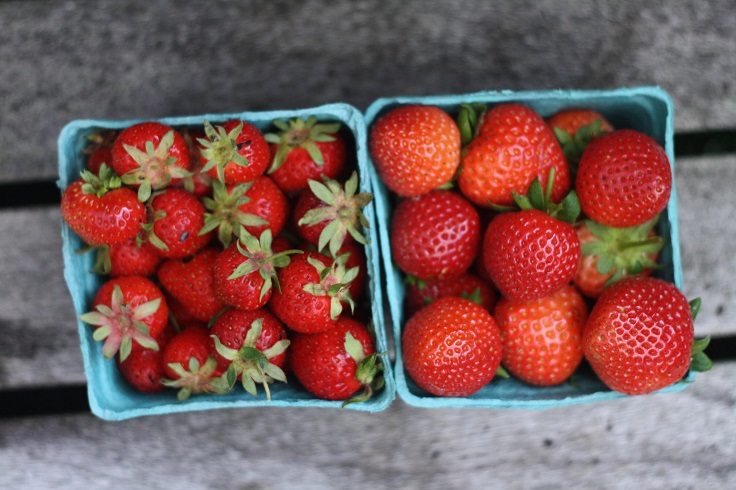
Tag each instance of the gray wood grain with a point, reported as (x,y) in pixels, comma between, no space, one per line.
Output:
(138,58)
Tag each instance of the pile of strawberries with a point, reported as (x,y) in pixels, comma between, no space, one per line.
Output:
(229,257)
(528,246)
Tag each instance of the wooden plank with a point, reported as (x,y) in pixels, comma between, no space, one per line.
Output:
(69,60)
(679,440)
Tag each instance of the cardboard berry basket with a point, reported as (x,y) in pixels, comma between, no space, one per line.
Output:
(646,109)
(110,397)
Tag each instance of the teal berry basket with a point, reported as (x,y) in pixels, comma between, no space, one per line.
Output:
(110,397)
(646,109)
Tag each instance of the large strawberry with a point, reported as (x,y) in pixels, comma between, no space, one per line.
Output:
(100,211)
(234,152)
(624,179)
(420,293)
(415,148)
(514,146)
(543,338)
(639,336)
(435,235)
(337,363)
(178,217)
(451,347)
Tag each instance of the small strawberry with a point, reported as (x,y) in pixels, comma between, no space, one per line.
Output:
(235,152)
(435,236)
(131,258)
(199,182)
(178,216)
(624,179)
(420,293)
(543,338)
(415,148)
(305,149)
(355,257)
(99,150)
(143,369)
(574,129)
(451,347)
(639,336)
(337,363)
(150,156)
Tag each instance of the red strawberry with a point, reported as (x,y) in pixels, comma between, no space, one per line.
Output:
(624,179)
(144,368)
(99,150)
(514,146)
(435,235)
(126,310)
(191,281)
(574,129)
(101,212)
(131,258)
(355,257)
(251,346)
(543,338)
(639,335)
(303,150)
(415,148)
(150,156)
(178,217)
(337,363)
(451,347)
(420,293)
(235,152)
(199,182)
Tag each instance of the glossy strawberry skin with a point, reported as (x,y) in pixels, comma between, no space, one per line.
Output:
(415,148)
(136,291)
(529,254)
(419,295)
(321,363)
(111,219)
(571,120)
(267,201)
(253,146)
(192,342)
(543,339)
(451,347)
(293,175)
(180,227)
(144,368)
(131,259)
(243,292)
(624,179)
(639,335)
(435,236)
(514,146)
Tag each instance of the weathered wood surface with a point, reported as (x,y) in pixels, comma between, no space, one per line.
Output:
(138,58)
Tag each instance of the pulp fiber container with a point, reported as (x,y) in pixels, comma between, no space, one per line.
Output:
(646,109)
(110,397)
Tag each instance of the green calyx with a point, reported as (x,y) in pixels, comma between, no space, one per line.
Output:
(469,120)
(368,371)
(102,183)
(699,360)
(224,212)
(197,378)
(623,250)
(573,146)
(148,234)
(220,148)
(334,282)
(252,365)
(300,133)
(343,212)
(567,210)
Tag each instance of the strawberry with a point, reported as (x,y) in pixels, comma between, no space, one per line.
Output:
(188,365)
(235,152)
(199,182)
(251,346)
(415,148)
(420,293)
(99,150)
(574,129)
(126,310)
(150,156)
(435,236)
(100,211)
(451,347)
(542,339)
(331,213)
(355,258)
(337,363)
(132,258)
(624,179)
(178,217)
(305,149)
(639,335)
(144,368)
(191,281)
(514,146)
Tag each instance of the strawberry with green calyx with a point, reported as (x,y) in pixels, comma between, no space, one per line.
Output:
(609,254)
(235,152)
(177,216)
(421,293)
(574,129)
(127,310)
(329,213)
(469,120)
(150,156)
(132,258)
(255,354)
(305,149)
(99,150)
(143,369)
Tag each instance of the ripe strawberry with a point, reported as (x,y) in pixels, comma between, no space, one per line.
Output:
(144,368)
(337,363)
(420,293)
(150,156)
(624,179)
(303,150)
(415,148)
(451,347)
(99,150)
(543,338)
(235,152)
(131,258)
(514,146)
(355,258)
(435,236)
(639,335)
(191,281)
(178,216)
(199,182)
(127,309)
(100,211)
(574,129)
(251,346)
